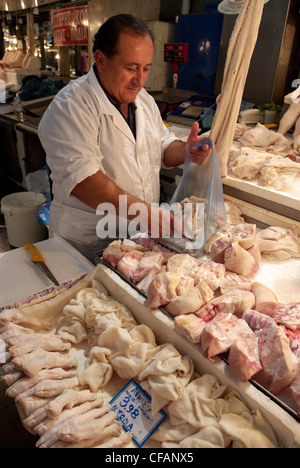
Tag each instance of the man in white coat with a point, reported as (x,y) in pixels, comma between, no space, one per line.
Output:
(104,138)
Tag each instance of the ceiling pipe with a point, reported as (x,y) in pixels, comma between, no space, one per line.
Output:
(185,7)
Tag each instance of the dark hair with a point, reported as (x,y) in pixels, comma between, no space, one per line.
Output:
(107,37)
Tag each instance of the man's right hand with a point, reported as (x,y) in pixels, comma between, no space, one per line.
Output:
(163,224)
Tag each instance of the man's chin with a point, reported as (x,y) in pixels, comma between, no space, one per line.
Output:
(132,93)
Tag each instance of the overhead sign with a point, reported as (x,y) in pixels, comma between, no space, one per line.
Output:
(70,26)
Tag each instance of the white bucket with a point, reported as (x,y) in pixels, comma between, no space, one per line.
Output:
(20,214)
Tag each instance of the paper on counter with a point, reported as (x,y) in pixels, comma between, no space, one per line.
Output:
(20,278)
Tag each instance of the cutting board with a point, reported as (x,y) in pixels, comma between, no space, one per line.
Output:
(20,278)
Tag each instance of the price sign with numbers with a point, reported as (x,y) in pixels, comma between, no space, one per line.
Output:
(133,407)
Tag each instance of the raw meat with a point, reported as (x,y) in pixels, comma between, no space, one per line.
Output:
(262,137)
(255,252)
(83,400)
(10,379)
(295,390)
(244,358)
(197,416)
(144,240)
(12,329)
(53,388)
(30,404)
(74,431)
(19,317)
(129,263)
(277,243)
(181,261)
(113,253)
(25,382)
(146,264)
(240,50)
(51,436)
(111,431)
(257,320)
(46,424)
(232,281)
(240,261)
(185,304)
(165,375)
(235,302)
(265,300)
(290,118)
(287,315)
(246,163)
(208,272)
(48,342)
(39,359)
(96,375)
(279,365)
(164,251)
(128,245)
(67,400)
(279,172)
(116,442)
(166,286)
(190,326)
(272,170)
(244,234)
(294,337)
(218,248)
(222,332)
(278,347)
(144,284)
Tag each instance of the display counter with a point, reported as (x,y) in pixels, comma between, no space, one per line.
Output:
(284,202)
(35,296)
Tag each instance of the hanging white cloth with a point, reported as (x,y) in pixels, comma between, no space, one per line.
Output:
(232,7)
(240,50)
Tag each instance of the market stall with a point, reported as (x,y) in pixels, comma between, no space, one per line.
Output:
(155,346)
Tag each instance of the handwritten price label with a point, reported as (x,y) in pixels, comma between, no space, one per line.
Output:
(133,407)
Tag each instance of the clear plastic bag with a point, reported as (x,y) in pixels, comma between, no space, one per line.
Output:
(199,200)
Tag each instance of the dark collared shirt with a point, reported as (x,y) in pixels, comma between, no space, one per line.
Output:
(131,108)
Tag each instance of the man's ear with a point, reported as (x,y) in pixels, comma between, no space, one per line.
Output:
(100,59)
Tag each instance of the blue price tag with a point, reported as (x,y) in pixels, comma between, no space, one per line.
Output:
(133,407)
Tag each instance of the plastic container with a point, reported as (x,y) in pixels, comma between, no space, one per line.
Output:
(18,108)
(20,212)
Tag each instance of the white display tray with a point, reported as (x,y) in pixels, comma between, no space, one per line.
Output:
(287,429)
(289,198)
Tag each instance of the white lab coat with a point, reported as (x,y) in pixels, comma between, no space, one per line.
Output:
(82,133)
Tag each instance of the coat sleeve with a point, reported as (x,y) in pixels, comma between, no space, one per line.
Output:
(69,132)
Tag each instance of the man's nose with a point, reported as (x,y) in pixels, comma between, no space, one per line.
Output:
(139,76)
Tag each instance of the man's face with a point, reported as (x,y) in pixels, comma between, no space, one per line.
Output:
(125,73)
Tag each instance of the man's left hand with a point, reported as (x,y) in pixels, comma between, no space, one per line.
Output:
(198,155)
